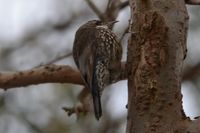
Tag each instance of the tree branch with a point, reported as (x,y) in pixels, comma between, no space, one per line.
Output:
(112,10)
(45,74)
(57,58)
(95,9)
(124,4)
(83,107)
(192,2)
(192,72)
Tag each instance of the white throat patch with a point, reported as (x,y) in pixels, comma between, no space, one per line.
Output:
(103,26)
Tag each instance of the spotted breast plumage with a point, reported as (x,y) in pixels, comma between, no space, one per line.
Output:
(97,54)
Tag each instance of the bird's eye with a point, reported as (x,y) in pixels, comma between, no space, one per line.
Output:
(98,23)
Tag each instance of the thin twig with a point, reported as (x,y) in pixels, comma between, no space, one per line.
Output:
(124,33)
(111,11)
(57,58)
(69,110)
(95,9)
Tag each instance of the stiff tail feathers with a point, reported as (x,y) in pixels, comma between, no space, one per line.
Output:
(97,105)
(96,92)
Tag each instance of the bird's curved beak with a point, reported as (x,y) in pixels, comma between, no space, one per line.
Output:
(111,23)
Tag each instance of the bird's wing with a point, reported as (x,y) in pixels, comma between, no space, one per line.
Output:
(83,54)
(86,58)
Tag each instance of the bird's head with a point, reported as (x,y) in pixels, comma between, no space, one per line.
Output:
(99,23)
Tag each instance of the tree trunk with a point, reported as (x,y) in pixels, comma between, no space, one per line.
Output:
(155,59)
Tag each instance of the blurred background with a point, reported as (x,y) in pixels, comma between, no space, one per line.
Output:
(35,32)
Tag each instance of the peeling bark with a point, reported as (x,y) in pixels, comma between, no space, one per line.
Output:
(155,60)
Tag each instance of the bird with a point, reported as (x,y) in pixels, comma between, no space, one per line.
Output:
(97,54)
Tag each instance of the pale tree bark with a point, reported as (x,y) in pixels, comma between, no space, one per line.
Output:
(155,60)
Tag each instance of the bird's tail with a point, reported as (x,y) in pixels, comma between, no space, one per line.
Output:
(97,104)
(96,88)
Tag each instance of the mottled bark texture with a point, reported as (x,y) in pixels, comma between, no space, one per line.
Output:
(155,60)
(43,74)
(46,74)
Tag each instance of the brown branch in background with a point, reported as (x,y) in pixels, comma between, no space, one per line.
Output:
(45,74)
(120,5)
(124,4)
(53,74)
(112,10)
(95,9)
(192,73)
(78,110)
(69,110)
(192,2)
(194,126)
(84,105)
